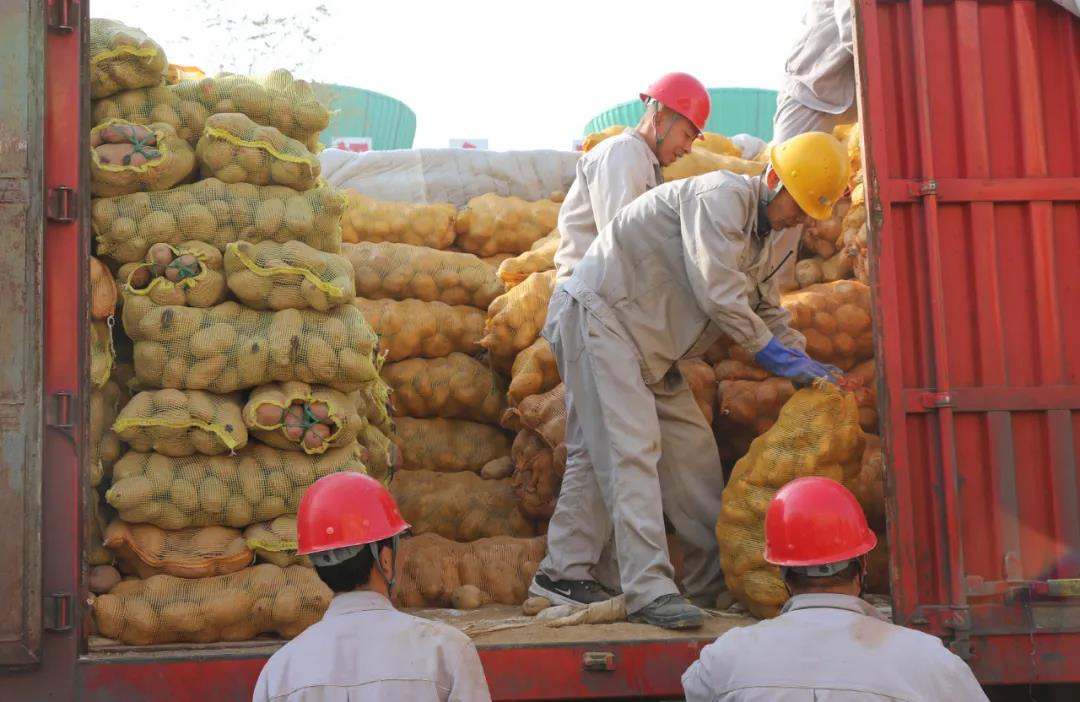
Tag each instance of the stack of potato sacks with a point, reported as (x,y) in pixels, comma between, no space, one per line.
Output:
(247,373)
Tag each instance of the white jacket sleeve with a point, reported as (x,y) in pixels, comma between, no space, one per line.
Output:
(696,684)
(470,684)
(842,10)
(260,693)
(616,181)
(712,240)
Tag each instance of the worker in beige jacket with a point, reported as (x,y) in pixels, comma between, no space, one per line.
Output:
(609,176)
(675,269)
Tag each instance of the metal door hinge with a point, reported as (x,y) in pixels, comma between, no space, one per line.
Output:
(56,611)
(598,661)
(62,205)
(63,16)
(921,188)
(60,417)
(937,400)
(950,623)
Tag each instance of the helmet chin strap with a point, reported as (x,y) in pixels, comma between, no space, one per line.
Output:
(390,579)
(657,109)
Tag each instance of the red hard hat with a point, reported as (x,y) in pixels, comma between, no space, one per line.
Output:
(814,521)
(683,93)
(346,509)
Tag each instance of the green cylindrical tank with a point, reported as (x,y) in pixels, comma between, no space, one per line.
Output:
(734,111)
(358,113)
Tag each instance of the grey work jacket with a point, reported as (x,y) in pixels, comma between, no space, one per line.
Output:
(821,68)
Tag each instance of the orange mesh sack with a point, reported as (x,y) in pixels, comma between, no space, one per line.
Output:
(101,352)
(174,73)
(403,272)
(545,414)
(455,387)
(295,416)
(492,224)
(275,542)
(228,347)
(93,527)
(415,329)
(718,144)
(534,372)
(869,485)
(121,58)
(540,257)
(538,473)
(516,318)
(219,214)
(146,550)
(434,569)
(277,101)
(702,381)
(105,447)
(130,158)
(263,599)
(273,276)
(257,484)
(189,273)
(381,456)
(699,162)
(234,149)
(182,423)
(102,291)
(823,236)
(459,506)
(754,404)
(368,219)
(448,445)
(817,434)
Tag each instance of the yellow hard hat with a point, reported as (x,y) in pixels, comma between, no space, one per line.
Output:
(814,168)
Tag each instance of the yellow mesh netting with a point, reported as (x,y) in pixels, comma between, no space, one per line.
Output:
(182,423)
(121,58)
(455,387)
(381,456)
(189,274)
(540,257)
(93,527)
(295,416)
(415,329)
(372,402)
(492,224)
(448,445)
(516,318)
(235,149)
(129,158)
(105,448)
(534,372)
(101,352)
(700,162)
(368,219)
(146,550)
(459,506)
(275,542)
(273,276)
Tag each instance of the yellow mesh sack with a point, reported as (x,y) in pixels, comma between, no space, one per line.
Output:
(273,276)
(700,162)
(190,274)
(496,260)
(287,105)
(122,58)
(459,506)
(538,474)
(823,237)
(368,219)
(855,234)
(275,542)
(103,291)
(403,272)
(234,149)
(295,416)
(492,224)
(540,257)
(702,381)
(455,387)
(219,214)
(146,550)
(130,158)
(372,402)
(718,144)
(433,569)
(381,456)
(868,485)
(516,318)
(105,448)
(448,445)
(239,606)
(183,423)
(101,352)
(93,527)
(534,372)
(228,347)
(415,329)
(256,484)
(174,73)
(817,434)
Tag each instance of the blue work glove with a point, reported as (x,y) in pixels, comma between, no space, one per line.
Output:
(794,364)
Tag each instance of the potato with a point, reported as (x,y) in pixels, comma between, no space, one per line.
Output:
(492,224)
(516,318)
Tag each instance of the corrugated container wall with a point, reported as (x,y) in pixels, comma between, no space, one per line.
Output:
(734,111)
(355,112)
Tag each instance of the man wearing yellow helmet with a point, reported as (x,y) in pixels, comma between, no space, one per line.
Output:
(683,264)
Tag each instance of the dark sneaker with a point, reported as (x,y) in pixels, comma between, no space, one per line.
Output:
(569,592)
(669,612)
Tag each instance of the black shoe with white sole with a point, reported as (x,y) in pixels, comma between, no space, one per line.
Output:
(569,592)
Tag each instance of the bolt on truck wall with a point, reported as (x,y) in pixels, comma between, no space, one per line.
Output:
(971,115)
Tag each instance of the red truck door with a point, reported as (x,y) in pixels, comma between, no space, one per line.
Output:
(971,114)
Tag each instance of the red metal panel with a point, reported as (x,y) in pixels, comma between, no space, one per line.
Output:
(971,114)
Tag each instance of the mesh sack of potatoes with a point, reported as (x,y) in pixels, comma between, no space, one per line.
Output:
(491,224)
(295,416)
(702,381)
(275,542)
(105,446)
(868,485)
(404,272)
(234,149)
(591,140)
(855,234)
(813,271)
(189,274)
(368,219)
(455,387)
(229,347)
(538,473)
(372,403)
(817,434)
(217,213)
(122,58)
(539,258)
(516,318)
(822,237)
(101,352)
(448,445)
(699,162)
(239,606)
(202,552)
(416,329)
(182,423)
(256,484)
(718,144)
(534,372)
(459,506)
(496,260)
(381,455)
(286,104)
(93,528)
(545,414)
(273,276)
(174,73)
(103,291)
(129,158)
(436,572)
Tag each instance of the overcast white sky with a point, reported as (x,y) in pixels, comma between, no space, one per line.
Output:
(521,74)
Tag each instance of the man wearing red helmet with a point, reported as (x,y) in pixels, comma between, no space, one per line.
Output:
(364,649)
(827,643)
